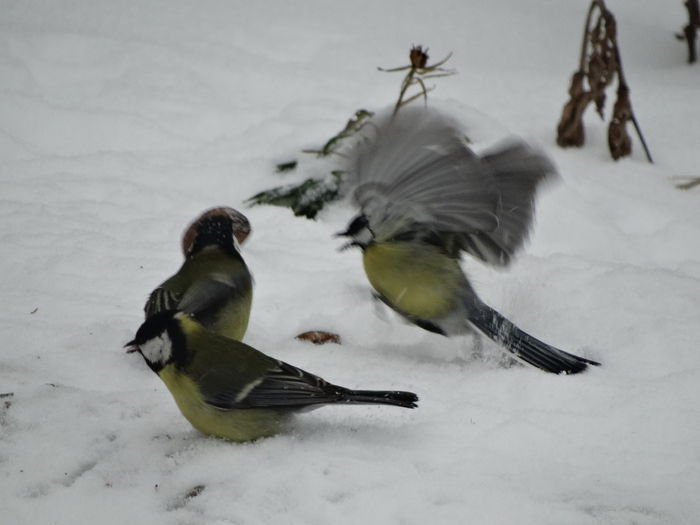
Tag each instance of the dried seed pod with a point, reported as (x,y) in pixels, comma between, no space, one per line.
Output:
(570,131)
(599,65)
(416,73)
(418,57)
(319,337)
(619,141)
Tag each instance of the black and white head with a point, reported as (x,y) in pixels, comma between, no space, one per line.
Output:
(222,226)
(159,340)
(359,232)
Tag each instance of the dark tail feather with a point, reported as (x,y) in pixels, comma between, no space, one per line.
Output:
(379,397)
(523,345)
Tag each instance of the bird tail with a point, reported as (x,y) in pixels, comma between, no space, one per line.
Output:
(379,397)
(523,345)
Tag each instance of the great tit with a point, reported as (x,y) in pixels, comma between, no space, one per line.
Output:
(213,284)
(424,197)
(228,389)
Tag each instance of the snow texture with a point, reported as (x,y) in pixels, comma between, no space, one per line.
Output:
(121,121)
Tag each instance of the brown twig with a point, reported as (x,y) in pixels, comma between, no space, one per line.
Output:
(695,181)
(623,95)
(690,31)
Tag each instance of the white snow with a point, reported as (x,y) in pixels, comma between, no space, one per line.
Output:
(121,121)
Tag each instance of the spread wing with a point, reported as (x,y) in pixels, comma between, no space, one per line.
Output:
(410,168)
(516,170)
(414,172)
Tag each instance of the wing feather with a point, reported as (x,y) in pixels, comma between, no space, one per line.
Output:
(277,385)
(415,171)
(212,292)
(160,300)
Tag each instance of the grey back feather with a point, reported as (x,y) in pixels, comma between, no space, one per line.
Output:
(414,171)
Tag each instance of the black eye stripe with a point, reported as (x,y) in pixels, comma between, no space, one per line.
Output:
(358,224)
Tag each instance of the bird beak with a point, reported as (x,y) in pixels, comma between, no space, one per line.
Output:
(347,245)
(131,347)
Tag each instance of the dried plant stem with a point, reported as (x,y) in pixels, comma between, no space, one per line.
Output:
(586,34)
(690,31)
(690,184)
(599,62)
(622,85)
(418,71)
(311,195)
(638,129)
(407,81)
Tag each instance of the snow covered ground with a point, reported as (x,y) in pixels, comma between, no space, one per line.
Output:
(121,121)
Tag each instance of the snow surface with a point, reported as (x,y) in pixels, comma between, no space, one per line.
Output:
(121,121)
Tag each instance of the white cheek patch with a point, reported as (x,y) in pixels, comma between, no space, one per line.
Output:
(158,350)
(365,236)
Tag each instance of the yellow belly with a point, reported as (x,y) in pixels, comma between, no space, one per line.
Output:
(235,425)
(417,280)
(233,319)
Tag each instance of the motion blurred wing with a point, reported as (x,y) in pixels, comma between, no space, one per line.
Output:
(516,171)
(415,172)
(410,168)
